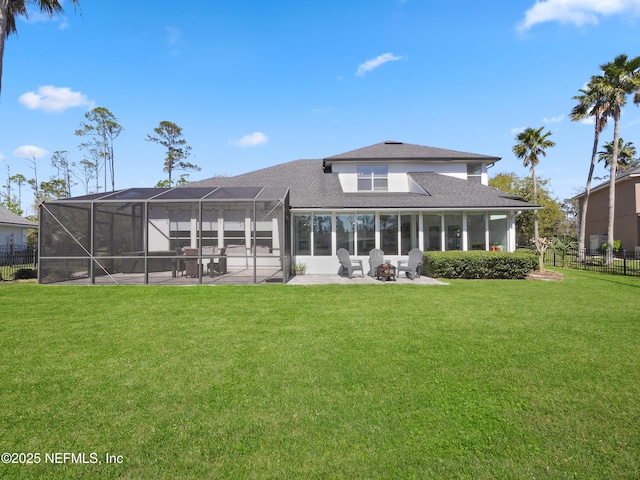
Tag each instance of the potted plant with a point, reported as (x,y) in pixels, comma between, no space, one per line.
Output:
(300,268)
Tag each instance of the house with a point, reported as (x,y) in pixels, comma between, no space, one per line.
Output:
(13,228)
(626,226)
(392,195)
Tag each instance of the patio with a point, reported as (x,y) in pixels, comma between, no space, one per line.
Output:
(356,280)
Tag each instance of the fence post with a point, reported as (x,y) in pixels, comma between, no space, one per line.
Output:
(624,261)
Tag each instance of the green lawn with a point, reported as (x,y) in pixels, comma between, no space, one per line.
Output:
(476,379)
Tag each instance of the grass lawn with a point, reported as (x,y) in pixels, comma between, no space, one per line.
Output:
(477,380)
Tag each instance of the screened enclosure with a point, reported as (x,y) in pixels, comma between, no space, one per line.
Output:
(176,236)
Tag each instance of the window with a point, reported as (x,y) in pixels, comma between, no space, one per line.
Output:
(389,234)
(453,231)
(302,234)
(345,237)
(432,228)
(498,231)
(409,227)
(476,232)
(373,178)
(366,225)
(322,234)
(474,172)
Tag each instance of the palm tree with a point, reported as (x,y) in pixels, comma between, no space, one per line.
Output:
(619,79)
(531,144)
(11,9)
(591,103)
(626,155)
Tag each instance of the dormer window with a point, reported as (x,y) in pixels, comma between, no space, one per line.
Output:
(474,172)
(373,178)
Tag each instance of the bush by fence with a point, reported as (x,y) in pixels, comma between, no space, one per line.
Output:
(622,263)
(18,262)
(480,264)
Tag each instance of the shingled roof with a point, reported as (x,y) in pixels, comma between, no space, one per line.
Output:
(7,217)
(392,150)
(310,187)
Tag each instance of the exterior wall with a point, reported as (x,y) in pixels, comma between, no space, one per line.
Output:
(12,233)
(626,223)
(397,176)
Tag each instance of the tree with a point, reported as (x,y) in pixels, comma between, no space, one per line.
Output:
(592,102)
(626,154)
(19,180)
(89,167)
(54,188)
(531,144)
(60,162)
(104,128)
(619,78)
(85,172)
(552,219)
(13,203)
(10,9)
(169,135)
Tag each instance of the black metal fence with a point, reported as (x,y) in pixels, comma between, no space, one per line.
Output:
(622,263)
(14,258)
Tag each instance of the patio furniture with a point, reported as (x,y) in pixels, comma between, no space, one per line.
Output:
(179,262)
(413,264)
(376,258)
(347,264)
(218,264)
(191,264)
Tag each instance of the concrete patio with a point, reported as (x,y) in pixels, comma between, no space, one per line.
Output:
(358,280)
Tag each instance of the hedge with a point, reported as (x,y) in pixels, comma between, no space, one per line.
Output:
(25,274)
(480,264)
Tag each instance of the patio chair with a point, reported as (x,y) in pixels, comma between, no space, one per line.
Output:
(191,264)
(179,262)
(413,264)
(218,266)
(376,258)
(347,264)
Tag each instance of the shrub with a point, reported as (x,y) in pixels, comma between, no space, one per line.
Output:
(485,265)
(617,247)
(25,274)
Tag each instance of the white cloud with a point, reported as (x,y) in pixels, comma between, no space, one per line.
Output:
(557,119)
(54,99)
(518,130)
(252,140)
(577,12)
(30,152)
(374,63)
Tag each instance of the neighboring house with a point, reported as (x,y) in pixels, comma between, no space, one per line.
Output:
(626,226)
(13,228)
(392,195)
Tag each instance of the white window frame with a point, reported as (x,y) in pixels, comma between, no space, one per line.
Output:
(376,175)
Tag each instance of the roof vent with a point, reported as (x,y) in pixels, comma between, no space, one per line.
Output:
(391,142)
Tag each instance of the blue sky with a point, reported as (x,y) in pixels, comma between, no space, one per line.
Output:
(255,83)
